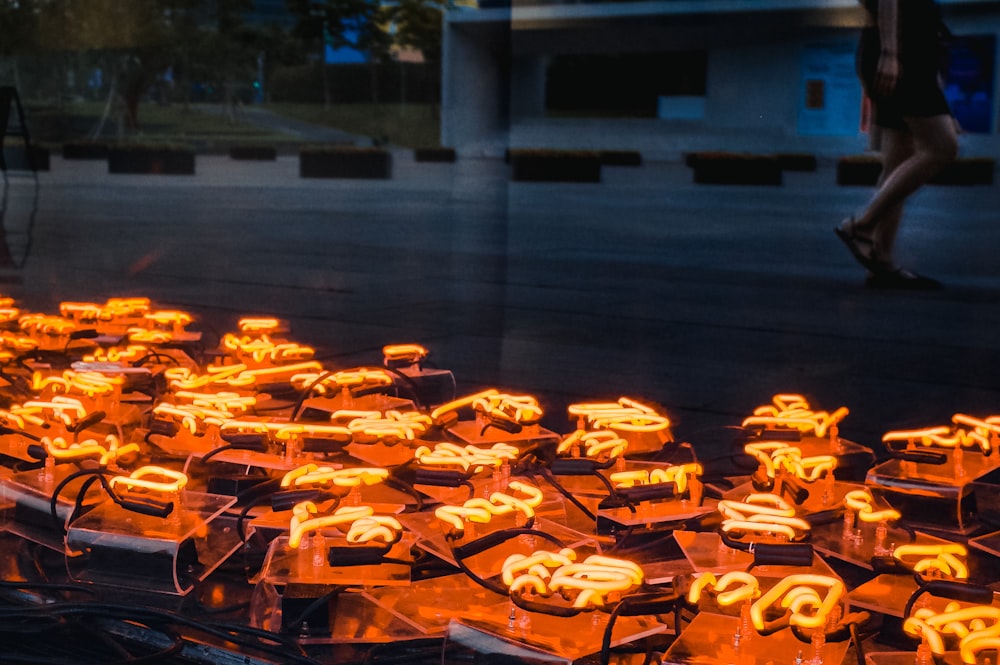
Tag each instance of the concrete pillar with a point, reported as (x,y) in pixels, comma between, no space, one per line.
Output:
(475,85)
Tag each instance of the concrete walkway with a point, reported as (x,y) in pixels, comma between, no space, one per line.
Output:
(704,300)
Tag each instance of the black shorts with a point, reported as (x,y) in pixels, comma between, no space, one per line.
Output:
(918,92)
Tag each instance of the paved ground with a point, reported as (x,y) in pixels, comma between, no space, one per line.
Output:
(705,300)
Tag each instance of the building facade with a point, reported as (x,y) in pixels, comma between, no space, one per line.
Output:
(744,75)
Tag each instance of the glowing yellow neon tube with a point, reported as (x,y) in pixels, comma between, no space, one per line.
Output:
(834,592)
(176,481)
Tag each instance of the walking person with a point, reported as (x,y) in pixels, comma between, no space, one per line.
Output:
(898,62)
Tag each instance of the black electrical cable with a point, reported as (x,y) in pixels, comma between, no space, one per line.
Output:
(308,391)
(296,626)
(54,501)
(173,649)
(207,457)
(280,646)
(406,488)
(859,649)
(157,356)
(566,493)
(483,582)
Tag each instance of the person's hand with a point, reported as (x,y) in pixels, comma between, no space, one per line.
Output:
(887,75)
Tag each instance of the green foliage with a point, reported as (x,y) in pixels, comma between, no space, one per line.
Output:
(418,26)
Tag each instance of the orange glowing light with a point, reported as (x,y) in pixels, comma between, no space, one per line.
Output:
(222,401)
(793,411)
(313,475)
(748,589)
(762,513)
(676,474)
(125,307)
(65,410)
(862,502)
(169,481)
(595,579)
(258,325)
(116,354)
(8,314)
(594,444)
(942,558)
(305,519)
(811,610)
(167,317)
(144,336)
(408,353)
(626,415)
(115,309)
(321,384)
(59,449)
(18,343)
(389,428)
(460,403)
(973,645)
(773,455)
(976,627)
(520,409)
(191,417)
(943,436)
(292,430)
(466,457)
(261,349)
(234,376)
(374,527)
(90,384)
(482,511)
(45,324)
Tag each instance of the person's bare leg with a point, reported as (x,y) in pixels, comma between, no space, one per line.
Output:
(896,148)
(935,145)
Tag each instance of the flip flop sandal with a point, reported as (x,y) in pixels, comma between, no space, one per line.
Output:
(861,247)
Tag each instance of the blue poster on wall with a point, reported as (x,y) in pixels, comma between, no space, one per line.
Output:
(829,94)
(968,73)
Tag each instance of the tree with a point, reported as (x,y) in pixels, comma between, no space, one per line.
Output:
(418,26)
(19,26)
(357,24)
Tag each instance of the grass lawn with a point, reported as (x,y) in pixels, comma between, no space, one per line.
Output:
(157,123)
(206,126)
(407,125)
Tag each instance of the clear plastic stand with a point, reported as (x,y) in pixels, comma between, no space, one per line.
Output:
(707,553)
(430,605)
(885,594)
(27,501)
(375,402)
(910,658)
(164,555)
(709,640)
(253,458)
(534,636)
(650,513)
(347,617)
(990,543)
(823,495)
(309,564)
(487,564)
(472,432)
(302,584)
(379,454)
(858,548)
(937,496)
